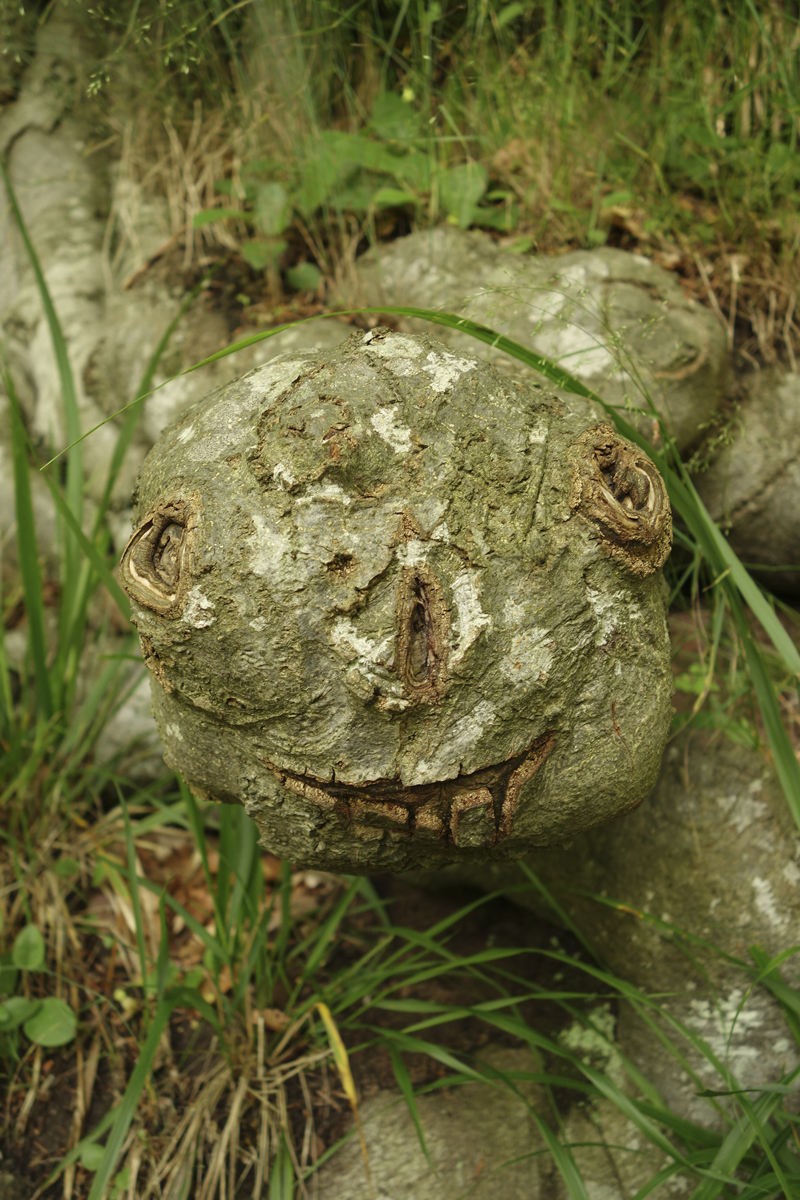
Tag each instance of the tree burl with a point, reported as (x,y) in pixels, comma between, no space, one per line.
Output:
(404,609)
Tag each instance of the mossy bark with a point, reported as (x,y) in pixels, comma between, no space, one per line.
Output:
(404,609)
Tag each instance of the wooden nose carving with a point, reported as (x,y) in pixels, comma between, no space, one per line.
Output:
(423,621)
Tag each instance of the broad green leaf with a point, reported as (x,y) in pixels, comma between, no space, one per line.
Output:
(304,277)
(28,950)
(461,189)
(320,170)
(504,217)
(92,1156)
(15,1010)
(8,974)
(272,209)
(509,13)
(391,197)
(394,119)
(207,216)
(53,1024)
(258,253)
(413,170)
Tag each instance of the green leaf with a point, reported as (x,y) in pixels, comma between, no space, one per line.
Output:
(412,170)
(272,209)
(207,216)
(260,252)
(8,974)
(509,14)
(504,217)
(392,118)
(66,867)
(14,1011)
(27,952)
(461,189)
(53,1024)
(356,197)
(320,170)
(92,1156)
(390,197)
(304,277)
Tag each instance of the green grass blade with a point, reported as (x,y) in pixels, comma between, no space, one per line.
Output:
(730,1154)
(407,1092)
(136,901)
(134,411)
(326,933)
(124,1112)
(93,556)
(562,1157)
(69,399)
(27,548)
(196,825)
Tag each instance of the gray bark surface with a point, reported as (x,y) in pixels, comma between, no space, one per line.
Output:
(404,609)
(615,320)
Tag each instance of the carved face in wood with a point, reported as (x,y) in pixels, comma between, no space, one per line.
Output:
(404,609)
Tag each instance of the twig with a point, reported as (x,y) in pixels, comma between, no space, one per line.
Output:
(709,290)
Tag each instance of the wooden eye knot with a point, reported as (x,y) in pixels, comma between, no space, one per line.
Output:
(152,567)
(617,489)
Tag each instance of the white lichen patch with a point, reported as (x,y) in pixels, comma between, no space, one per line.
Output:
(742,811)
(530,656)
(595,1045)
(791,873)
(444,369)
(329,493)
(387,426)
(441,533)
(344,635)
(198,609)
(399,353)
(445,762)
(283,476)
(258,623)
(269,548)
(470,617)
(729,1031)
(173,731)
(537,436)
(608,609)
(764,901)
(412,553)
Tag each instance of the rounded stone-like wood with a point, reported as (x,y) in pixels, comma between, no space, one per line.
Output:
(404,609)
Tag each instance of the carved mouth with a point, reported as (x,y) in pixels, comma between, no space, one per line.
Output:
(472,811)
